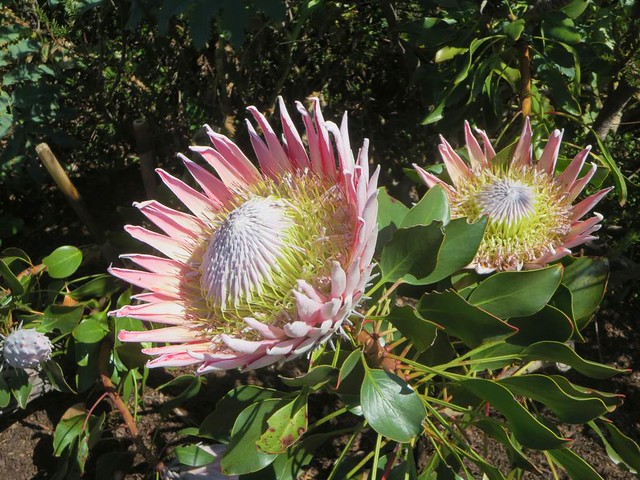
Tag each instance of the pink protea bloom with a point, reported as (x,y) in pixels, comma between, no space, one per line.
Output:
(531,217)
(268,265)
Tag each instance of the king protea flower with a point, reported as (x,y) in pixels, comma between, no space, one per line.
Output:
(531,217)
(269,264)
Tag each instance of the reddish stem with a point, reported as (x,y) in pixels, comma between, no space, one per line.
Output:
(116,401)
(390,462)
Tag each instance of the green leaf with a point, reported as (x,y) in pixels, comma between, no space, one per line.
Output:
(412,253)
(68,430)
(470,324)
(568,408)
(434,206)
(56,376)
(420,332)
(60,317)
(5,392)
(193,456)
(526,428)
(12,281)
(88,371)
(622,450)
(242,455)
(494,429)
(458,249)
(218,424)
(89,331)
(314,377)
(517,294)
(390,210)
(563,30)
(102,286)
(547,324)
(586,279)
(575,8)
(290,465)
(611,400)
(63,261)
(447,53)
(285,426)
(575,466)
(391,406)
(514,29)
(20,387)
(562,353)
(437,113)
(348,365)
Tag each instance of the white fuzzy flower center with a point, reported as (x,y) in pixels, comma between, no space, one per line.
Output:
(244,251)
(507,200)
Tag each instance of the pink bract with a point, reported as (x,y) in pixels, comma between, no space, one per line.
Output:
(269,263)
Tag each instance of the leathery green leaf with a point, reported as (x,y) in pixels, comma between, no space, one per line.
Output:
(457,317)
(390,210)
(458,248)
(568,408)
(285,426)
(494,429)
(622,450)
(525,427)
(391,406)
(315,376)
(517,294)
(434,206)
(411,254)
(575,466)
(193,455)
(218,424)
(243,456)
(562,353)
(63,261)
(547,324)
(12,281)
(421,332)
(586,278)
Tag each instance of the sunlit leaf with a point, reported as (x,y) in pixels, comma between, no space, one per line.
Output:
(218,424)
(285,426)
(243,456)
(568,408)
(529,431)
(575,465)
(63,261)
(391,406)
(459,318)
(517,294)
(562,353)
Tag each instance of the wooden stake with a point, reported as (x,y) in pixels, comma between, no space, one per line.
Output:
(65,185)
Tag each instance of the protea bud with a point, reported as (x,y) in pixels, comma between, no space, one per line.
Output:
(26,348)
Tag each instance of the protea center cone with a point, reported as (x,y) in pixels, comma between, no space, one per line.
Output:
(268,264)
(532,220)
